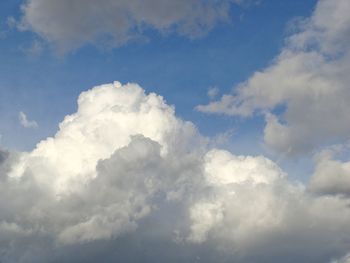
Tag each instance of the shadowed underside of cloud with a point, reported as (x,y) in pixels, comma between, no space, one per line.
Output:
(309,80)
(125,180)
(69,24)
(331,176)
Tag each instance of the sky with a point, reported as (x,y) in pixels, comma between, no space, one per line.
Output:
(174,131)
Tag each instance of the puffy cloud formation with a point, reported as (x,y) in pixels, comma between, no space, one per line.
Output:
(304,93)
(331,176)
(106,118)
(124,176)
(70,24)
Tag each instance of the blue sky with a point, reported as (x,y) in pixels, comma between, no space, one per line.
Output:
(252,167)
(45,85)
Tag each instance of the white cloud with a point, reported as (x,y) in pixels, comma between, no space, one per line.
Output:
(23,120)
(70,24)
(124,170)
(109,158)
(308,80)
(253,211)
(106,118)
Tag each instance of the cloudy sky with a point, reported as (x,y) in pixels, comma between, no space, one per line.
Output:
(175,131)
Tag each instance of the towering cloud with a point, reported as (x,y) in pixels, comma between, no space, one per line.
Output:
(124,175)
(304,93)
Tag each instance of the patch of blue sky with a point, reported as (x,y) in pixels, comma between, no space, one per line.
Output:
(46,86)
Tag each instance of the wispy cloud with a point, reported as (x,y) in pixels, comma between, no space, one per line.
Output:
(23,120)
(35,49)
(213,92)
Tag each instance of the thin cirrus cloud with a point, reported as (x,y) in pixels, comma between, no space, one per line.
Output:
(309,80)
(124,176)
(70,24)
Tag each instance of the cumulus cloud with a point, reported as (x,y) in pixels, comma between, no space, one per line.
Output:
(331,176)
(70,24)
(124,175)
(23,120)
(256,213)
(304,93)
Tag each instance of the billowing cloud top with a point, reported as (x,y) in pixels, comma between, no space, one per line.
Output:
(124,175)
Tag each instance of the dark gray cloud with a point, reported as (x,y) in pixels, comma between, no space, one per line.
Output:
(7,158)
(331,176)
(3,156)
(69,24)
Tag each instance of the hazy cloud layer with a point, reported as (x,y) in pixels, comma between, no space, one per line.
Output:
(304,93)
(125,179)
(69,24)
